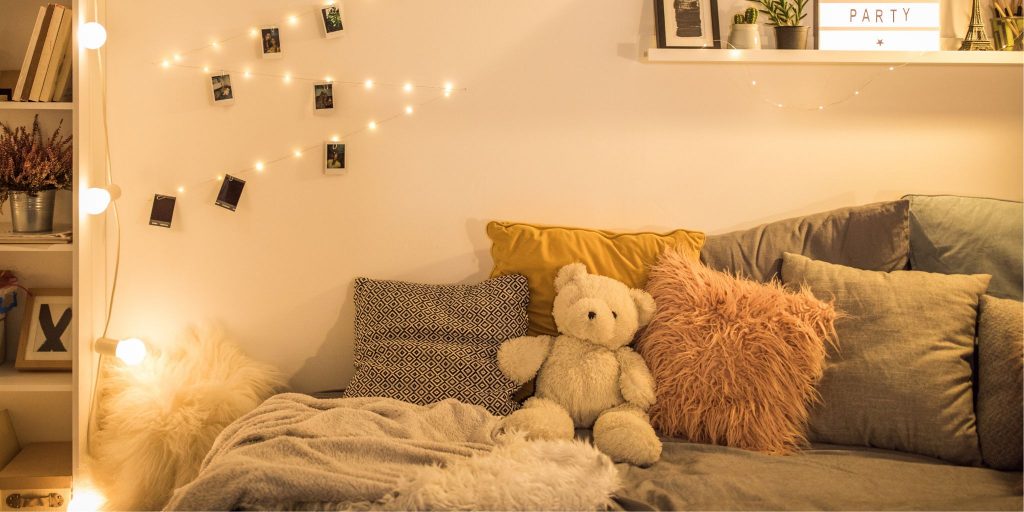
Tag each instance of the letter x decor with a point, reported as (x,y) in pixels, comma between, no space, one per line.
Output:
(46,342)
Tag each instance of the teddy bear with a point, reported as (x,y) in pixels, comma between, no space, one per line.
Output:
(588,377)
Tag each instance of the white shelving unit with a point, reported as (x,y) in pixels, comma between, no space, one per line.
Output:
(28,105)
(711,55)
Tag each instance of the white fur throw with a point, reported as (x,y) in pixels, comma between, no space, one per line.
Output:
(157,420)
(516,475)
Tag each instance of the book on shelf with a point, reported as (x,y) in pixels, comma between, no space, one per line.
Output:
(43,76)
(61,52)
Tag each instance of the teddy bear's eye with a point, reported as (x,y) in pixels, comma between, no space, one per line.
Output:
(615,315)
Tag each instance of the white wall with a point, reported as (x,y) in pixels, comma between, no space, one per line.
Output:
(562,123)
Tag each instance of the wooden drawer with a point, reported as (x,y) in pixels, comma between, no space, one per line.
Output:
(53,500)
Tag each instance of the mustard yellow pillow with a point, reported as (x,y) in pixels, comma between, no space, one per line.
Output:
(539,251)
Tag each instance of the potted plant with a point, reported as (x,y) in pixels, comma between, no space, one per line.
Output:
(32,169)
(744,34)
(785,16)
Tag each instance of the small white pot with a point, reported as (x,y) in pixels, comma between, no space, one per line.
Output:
(745,36)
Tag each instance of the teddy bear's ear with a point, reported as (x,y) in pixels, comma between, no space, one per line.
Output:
(645,306)
(568,273)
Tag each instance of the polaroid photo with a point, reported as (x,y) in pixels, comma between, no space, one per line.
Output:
(334,158)
(323,97)
(330,21)
(230,192)
(163,211)
(221,90)
(270,42)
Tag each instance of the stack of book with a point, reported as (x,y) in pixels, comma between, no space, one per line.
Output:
(46,70)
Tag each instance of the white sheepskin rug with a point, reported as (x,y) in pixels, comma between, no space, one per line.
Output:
(516,475)
(156,421)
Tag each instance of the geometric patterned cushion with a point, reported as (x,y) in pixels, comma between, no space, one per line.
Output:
(424,343)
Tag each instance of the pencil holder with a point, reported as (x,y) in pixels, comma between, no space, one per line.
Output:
(1007,33)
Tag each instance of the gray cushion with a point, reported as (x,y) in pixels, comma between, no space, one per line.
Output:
(899,376)
(970,235)
(870,237)
(423,343)
(1000,398)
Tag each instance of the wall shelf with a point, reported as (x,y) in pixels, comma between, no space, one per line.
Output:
(35,247)
(40,105)
(709,55)
(12,380)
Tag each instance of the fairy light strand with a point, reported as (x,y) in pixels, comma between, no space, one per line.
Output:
(263,166)
(292,77)
(855,93)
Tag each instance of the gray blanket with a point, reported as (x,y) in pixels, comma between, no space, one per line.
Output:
(299,452)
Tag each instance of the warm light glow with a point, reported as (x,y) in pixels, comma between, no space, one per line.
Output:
(753,82)
(253,32)
(165,63)
(368,84)
(891,68)
(247,74)
(96,200)
(92,35)
(293,20)
(372,125)
(335,138)
(177,57)
(259,166)
(821,107)
(132,351)
(328,79)
(856,93)
(779,105)
(407,87)
(215,45)
(447,94)
(448,87)
(85,499)
(287,78)
(181,190)
(220,177)
(297,153)
(408,109)
(206,69)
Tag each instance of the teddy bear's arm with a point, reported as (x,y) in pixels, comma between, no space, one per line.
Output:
(520,358)
(635,379)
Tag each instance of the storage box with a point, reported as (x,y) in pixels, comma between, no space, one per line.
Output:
(38,478)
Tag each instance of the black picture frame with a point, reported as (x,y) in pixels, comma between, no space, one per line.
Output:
(662,27)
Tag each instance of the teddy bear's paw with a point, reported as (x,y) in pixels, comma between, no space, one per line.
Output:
(539,422)
(626,436)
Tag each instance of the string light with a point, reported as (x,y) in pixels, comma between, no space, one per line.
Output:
(165,63)
(368,84)
(297,153)
(407,87)
(215,45)
(372,126)
(181,189)
(247,74)
(328,79)
(253,32)
(335,138)
(408,110)
(293,20)
(92,35)
(220,177)
(287,78)
(753,82)
(259,166)
(206,69)
(849,97)
(177,57)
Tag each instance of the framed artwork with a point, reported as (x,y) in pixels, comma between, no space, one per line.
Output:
(687,23)
(46,337)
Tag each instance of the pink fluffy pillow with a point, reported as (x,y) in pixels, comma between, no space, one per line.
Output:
(735,361)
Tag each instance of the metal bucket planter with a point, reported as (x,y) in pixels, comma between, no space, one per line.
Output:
(32,212)
(791,37)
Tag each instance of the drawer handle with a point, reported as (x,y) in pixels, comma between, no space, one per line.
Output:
(52,500)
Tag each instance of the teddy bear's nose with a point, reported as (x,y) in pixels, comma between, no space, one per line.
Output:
(591,315)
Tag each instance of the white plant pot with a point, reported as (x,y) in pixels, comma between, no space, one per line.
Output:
(745,36)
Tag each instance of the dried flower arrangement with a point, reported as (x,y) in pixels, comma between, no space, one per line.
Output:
(30,163)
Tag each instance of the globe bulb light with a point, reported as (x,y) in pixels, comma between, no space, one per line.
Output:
(92,35)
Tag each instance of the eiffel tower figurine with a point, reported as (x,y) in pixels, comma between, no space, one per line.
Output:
(976,39)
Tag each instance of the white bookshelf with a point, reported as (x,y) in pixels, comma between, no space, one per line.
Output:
(31,105)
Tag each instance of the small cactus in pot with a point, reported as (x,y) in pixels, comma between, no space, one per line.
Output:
(744,33)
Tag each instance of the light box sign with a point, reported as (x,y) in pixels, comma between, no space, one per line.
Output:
(879,26)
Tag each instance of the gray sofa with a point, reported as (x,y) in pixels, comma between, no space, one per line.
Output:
(944,234)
